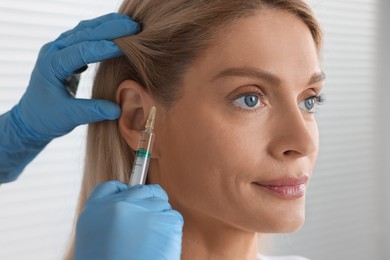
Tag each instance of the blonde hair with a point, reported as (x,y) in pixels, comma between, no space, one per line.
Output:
(174,33)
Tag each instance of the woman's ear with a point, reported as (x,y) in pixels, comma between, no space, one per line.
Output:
(135,104)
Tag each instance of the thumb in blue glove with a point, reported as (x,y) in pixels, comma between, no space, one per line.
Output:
(119,222)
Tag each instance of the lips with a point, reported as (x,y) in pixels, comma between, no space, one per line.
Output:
(286,188)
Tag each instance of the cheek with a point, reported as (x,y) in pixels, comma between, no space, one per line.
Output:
(195,149)
(201,158)
(311,159)
(316,138)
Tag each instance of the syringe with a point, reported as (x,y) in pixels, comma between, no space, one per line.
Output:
(144,150)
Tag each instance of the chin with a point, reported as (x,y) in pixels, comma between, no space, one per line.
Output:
(283,221)
(292,227)
(288,223)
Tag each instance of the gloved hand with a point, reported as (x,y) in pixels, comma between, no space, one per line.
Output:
(137,223)
(47,110)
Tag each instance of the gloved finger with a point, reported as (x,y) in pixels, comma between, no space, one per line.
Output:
(107,31)
(174,216)
(149,204)
(93,23)
(68,60)
(45,49)
(141,192)
(108,188)
(87,111)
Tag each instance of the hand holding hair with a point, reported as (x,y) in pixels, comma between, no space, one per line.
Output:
(46,109)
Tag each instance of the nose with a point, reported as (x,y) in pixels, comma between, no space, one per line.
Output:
(294,135)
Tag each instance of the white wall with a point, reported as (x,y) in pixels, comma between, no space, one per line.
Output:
(383,126)
(348,206)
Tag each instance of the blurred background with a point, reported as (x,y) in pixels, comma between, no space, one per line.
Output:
(348,205)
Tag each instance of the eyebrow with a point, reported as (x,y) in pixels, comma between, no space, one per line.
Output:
(250,72)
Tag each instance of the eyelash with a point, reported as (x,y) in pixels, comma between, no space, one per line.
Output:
(320,100)
(254,91)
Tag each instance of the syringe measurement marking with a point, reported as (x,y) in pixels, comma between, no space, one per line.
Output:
(143,154)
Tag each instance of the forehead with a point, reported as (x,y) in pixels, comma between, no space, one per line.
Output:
(272,40)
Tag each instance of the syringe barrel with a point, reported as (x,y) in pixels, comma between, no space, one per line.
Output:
(142,157)
(146,141)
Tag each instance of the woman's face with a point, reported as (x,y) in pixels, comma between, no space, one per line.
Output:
(240,144)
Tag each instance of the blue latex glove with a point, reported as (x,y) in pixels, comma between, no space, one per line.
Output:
(118,223)
(46,110)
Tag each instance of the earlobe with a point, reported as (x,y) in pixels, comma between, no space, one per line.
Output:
(135,104)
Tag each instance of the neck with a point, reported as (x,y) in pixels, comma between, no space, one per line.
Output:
(207,238)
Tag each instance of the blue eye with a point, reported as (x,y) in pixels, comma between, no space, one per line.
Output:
(310,104)
(250,101)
